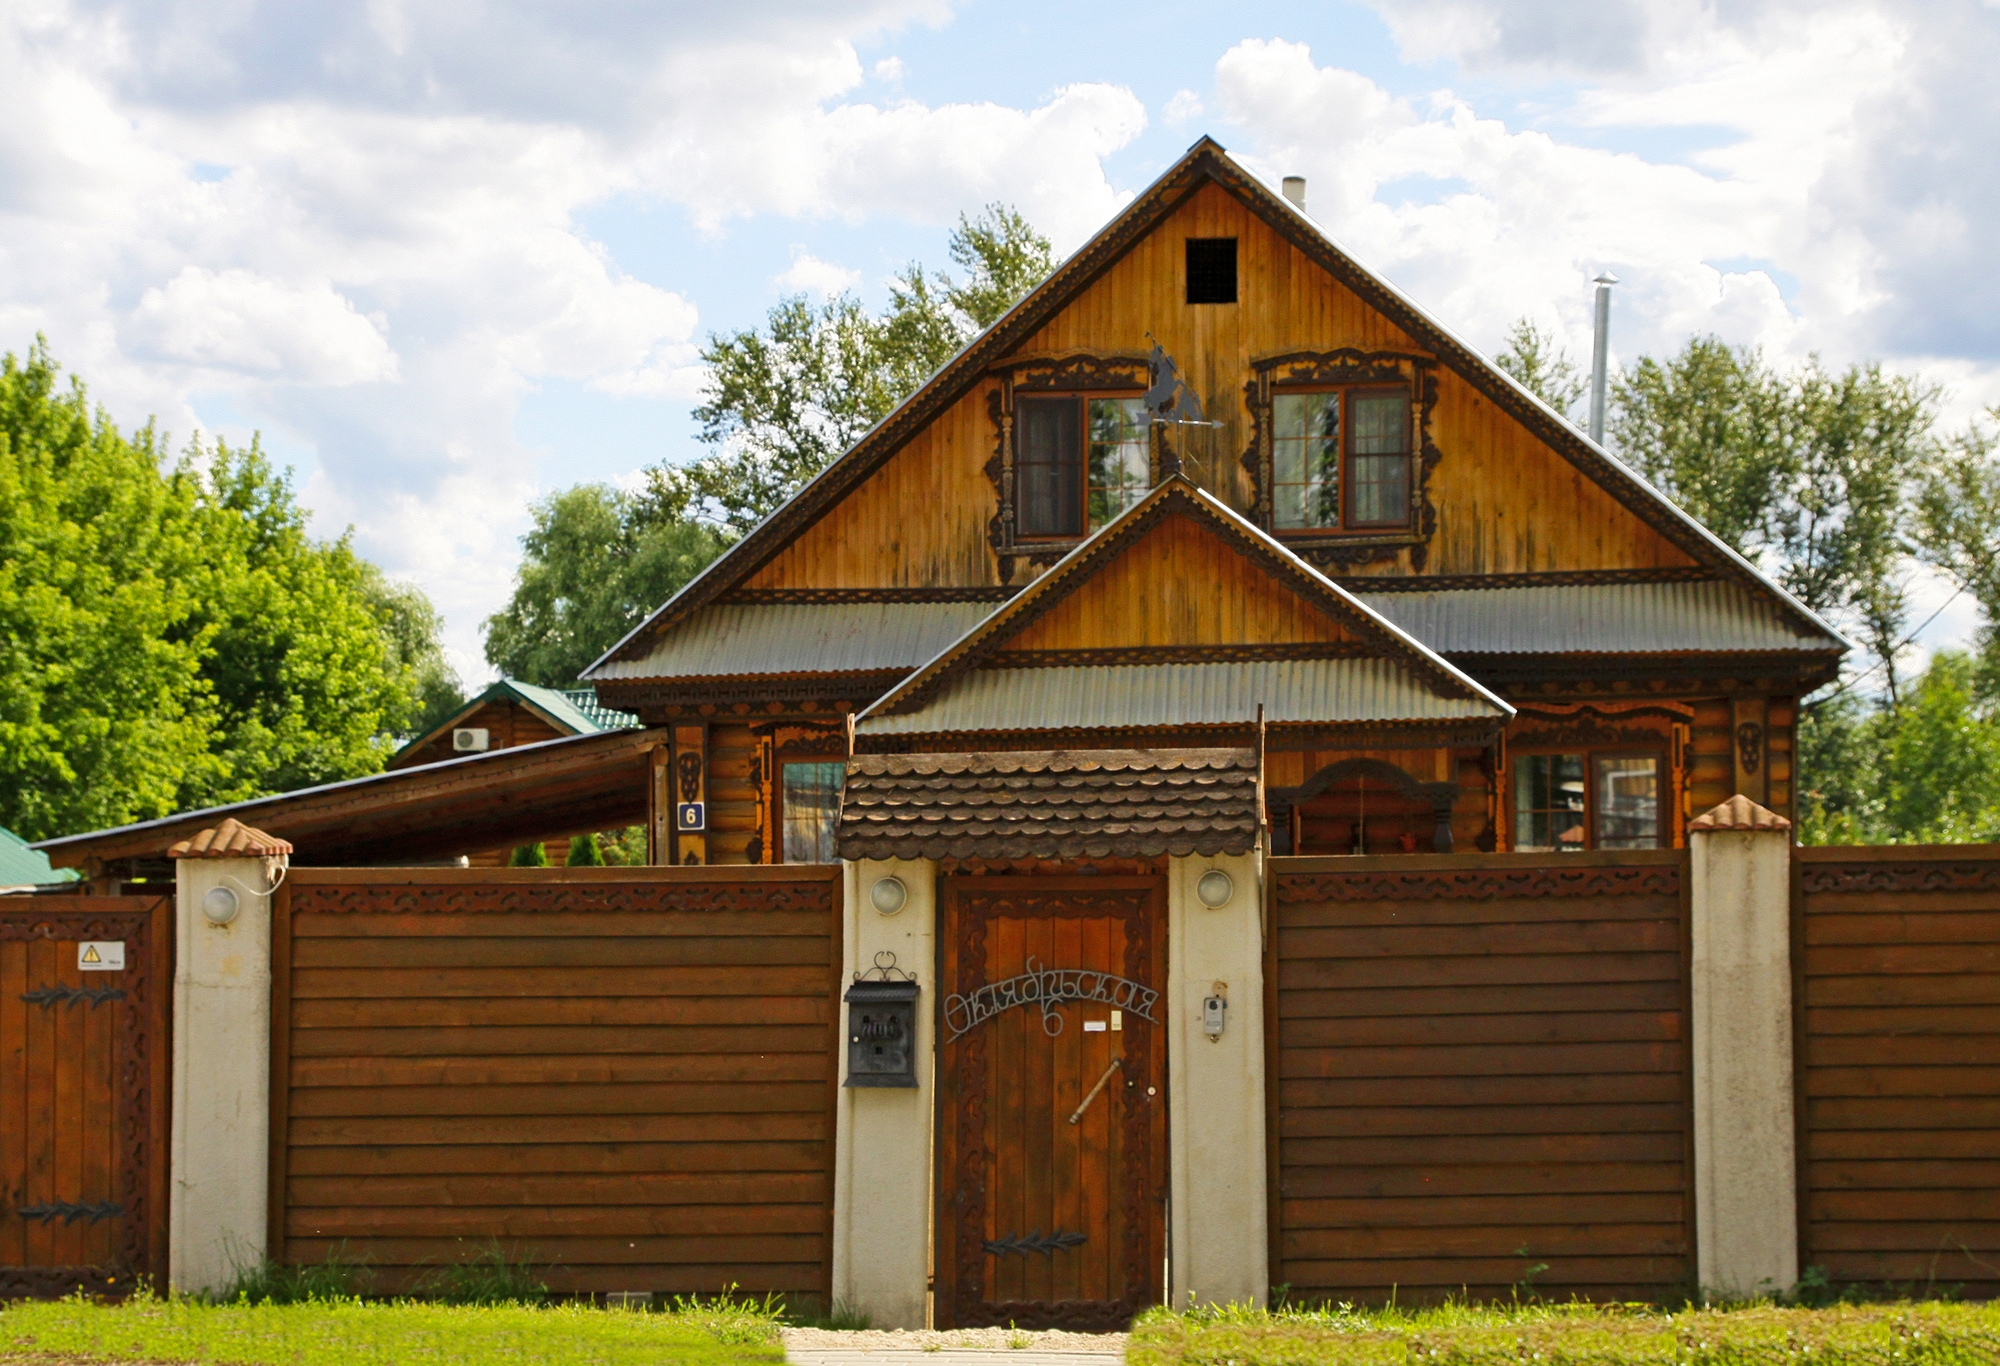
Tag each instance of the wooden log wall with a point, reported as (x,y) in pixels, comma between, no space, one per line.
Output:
(1479,1065)
(625,1075)
(1897,991)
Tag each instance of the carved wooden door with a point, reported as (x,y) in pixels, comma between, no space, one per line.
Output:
(1052,1106)
(83,1093)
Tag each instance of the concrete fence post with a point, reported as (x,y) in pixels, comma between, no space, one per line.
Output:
(1746,1200)
(218,1205)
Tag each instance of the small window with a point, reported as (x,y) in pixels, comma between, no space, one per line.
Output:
(1333,445)
(1567,803)
(810,808)
(1078,462)
(1211,270)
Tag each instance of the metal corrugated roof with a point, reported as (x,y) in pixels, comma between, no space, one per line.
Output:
(785,638)
(1619,618)
(1323,691)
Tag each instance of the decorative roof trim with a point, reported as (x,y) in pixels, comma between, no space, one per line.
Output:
(1560,578)
(231,839)
(1204,162)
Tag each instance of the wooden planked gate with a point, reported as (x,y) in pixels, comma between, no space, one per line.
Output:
(1897,962)
(1480,1066)
(83,1094)
(624,1075)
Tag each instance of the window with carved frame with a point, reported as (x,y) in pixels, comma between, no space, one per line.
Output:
(1570,801)
(1341,454)
(1079,461)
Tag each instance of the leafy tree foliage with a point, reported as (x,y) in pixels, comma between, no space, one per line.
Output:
(172,635)
(1540,364)
(784,399)
(1958,510)
(597,561)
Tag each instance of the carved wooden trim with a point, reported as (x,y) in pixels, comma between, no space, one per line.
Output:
(1179,654)
(1658,674)
(1346,366)
(1900,875)
(815,597)
(1439,796)
(1480,884)
(1279,736)
(856,688)
(561,898)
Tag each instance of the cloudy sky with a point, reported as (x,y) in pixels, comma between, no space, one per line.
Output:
(448,256)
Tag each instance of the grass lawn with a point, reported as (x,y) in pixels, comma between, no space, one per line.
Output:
(1926,1334)
(346,1332)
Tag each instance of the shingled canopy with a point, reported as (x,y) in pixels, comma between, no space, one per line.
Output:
(1056,804)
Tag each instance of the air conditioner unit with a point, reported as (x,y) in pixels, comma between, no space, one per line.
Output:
(471,740)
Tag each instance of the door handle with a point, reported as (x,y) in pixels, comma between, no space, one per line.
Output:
(1077,1114)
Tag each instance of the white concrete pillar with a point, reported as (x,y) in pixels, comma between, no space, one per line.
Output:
(1746,1205)
(882,1152)
(1220,1251)
(222,1070)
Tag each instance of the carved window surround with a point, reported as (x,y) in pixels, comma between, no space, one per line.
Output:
(1070,373)
(1332,549)
(1662,729)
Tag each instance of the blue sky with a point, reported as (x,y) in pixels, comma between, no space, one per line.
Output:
(449,257)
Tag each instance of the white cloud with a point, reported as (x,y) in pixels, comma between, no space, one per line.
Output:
(810,275)
(1182,109)
(889,70)
(235,320)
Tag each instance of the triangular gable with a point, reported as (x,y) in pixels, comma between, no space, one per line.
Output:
(1204,163)
(1320,617)
(560,713)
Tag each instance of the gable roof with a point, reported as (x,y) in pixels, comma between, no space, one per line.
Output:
(573,711)
(1386,676)
(1204,163)
(22,866)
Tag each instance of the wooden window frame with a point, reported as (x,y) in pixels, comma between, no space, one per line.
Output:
(1663,778)
(1348,371)
(1347,392)
(778,806)
(1082,399)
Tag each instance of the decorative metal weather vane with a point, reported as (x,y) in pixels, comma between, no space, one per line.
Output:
(1169,400)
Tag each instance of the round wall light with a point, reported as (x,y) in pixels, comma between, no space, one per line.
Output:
(1215,888)
(220,906)
(888,895)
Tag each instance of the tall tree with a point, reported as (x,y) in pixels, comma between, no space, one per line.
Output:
(784,399)
(173,636)
(1958,512)
(595,563)
(1541,365)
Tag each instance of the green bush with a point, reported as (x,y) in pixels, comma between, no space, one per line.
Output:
(488,1276)
(529,856)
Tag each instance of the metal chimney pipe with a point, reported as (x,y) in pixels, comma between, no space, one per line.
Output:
(1600,354)
(1295,190)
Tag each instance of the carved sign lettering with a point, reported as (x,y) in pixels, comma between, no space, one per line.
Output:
(1047,988)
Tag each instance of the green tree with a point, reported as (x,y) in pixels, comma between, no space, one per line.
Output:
(1958,514)
(595,563)
(584,853)
(784,399)
(528,856)
(1540,364)
(172,636)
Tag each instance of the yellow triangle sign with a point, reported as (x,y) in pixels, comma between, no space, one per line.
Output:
(90,954)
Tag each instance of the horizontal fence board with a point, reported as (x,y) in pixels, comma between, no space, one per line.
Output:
(536,1159)
(529,1070)
(542,1012)
(623,1077)
(1900,1085)
(1476,1060)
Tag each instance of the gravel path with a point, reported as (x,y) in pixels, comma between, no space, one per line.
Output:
(953,1347)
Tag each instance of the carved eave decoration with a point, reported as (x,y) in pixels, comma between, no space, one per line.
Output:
(1518,676)
(1337,551)
(1278,737)
(759,695)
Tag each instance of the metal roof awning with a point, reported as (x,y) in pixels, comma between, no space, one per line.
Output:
(733,640)
(1323,692)
(1051,804)
(571,786)
(1616,618)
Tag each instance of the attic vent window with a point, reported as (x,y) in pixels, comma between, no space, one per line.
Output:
(1211,270)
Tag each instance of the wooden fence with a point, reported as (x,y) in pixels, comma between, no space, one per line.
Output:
(83,1093)
(624,1076)
(1897,962)
(1479,1067)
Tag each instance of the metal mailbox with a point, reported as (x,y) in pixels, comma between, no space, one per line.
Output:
(882,1033)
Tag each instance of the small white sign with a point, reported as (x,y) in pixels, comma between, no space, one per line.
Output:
(100,955)
(1093,1026)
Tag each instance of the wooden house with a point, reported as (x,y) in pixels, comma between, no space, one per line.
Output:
(507,713)
(1465,626)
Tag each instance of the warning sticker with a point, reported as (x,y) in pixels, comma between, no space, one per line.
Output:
(101,955)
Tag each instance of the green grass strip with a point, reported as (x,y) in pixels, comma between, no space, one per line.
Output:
(343,1333)
(1928,1334)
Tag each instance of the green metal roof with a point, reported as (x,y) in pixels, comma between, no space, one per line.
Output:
(21,866)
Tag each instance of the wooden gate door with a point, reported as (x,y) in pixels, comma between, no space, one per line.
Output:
(1052,1101)
(83,1077)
